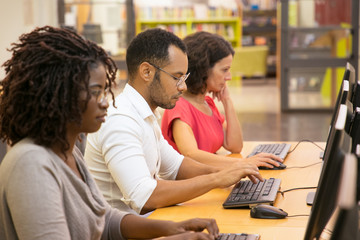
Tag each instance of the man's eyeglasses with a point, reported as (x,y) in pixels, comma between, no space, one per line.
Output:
(180,80)
(100,94)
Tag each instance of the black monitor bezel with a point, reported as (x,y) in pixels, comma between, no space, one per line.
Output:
(353,84)
(355,130)
(347,214)
(325,197)
(342,98)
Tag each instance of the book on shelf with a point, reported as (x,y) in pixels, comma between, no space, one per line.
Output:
(197,11)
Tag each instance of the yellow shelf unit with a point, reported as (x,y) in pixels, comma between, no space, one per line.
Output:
(229,27)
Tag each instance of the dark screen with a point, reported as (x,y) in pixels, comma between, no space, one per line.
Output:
(339,143)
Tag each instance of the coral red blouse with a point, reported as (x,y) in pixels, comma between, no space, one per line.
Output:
(208,130)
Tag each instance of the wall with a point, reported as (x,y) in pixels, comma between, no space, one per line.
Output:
(20,16)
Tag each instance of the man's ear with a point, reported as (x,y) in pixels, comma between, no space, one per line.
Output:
(146,71)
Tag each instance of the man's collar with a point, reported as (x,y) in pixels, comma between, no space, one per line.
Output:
(139,102)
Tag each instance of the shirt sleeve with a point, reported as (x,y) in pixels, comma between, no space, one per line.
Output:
(35,199)
(113,218)
(170,161)
(121,143)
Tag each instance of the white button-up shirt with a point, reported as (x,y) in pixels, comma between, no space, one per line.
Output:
(129,153)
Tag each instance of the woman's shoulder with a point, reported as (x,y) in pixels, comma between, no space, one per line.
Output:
(182,102)
(26,146)
(27,152)
(182,105)
(25,157)
(183,110)
(210,101)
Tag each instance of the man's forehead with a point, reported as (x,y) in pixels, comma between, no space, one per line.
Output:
(176,54)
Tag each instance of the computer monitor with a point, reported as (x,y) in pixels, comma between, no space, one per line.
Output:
(339,145)
(354,91)
(349,116)
(357,153)
(355,130)
(356,95)
(350,76)
(344,95)
(342,98)
(347,89)
(346,217)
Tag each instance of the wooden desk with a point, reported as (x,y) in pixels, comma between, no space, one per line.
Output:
(209,205)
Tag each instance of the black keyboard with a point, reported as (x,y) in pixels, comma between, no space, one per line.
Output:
(247,194)
(278,149)
(238,236)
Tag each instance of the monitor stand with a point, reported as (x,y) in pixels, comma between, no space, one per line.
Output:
(311,195)
(310,198)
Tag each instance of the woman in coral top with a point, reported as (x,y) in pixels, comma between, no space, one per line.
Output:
(195,127)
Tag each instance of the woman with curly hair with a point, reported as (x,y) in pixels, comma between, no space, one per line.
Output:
(195,127)
(55,88)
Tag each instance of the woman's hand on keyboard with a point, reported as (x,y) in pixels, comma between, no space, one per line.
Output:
(265,160)
(198,225)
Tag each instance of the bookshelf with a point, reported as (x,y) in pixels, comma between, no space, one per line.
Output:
(259,28)
(183,21)
(229,28)
(318,39)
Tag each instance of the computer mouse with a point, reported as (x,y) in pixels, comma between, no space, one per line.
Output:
(264,211)
(282,166)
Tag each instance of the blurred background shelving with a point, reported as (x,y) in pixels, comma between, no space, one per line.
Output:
(317,39)
(228,27)
(190,17)
(259,29)
(304,44)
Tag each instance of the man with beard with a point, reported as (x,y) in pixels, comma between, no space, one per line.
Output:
(134,166)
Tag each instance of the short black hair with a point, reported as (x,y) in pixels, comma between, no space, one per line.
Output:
(152,46)
(204,51)
(39,95)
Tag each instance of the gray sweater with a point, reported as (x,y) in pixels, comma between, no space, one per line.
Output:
(42,198)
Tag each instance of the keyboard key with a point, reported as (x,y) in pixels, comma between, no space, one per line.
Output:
(238,236)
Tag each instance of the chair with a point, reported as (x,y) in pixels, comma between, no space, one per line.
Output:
(249,61)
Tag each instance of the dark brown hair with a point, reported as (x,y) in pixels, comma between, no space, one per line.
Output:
(204,51)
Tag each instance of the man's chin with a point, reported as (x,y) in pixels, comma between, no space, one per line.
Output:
(171,104)
(171,107)
(167,106)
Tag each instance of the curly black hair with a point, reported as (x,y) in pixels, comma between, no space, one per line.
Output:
(39,95)
(204,51)
(152,46)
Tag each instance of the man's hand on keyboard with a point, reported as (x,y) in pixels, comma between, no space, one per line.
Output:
(265,160)
(235,172)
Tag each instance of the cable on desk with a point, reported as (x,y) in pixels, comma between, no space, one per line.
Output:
(305,140)
(304,166)
(299,215)
(292,189)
